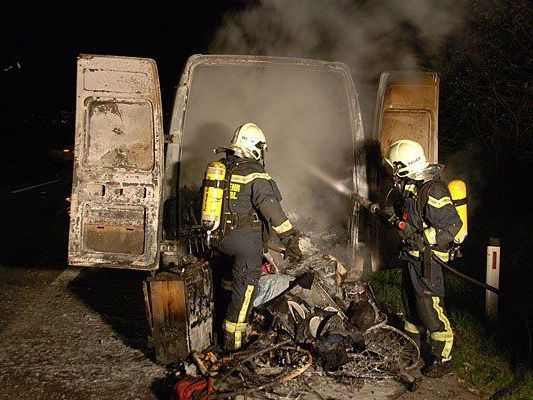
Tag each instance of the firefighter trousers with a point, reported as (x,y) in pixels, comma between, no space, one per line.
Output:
(425,313)
(244,247)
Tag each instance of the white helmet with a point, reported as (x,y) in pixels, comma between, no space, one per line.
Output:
(249,141)
(406,158)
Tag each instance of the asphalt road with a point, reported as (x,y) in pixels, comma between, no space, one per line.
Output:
(65,333)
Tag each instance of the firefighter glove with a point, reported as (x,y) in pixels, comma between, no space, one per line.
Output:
(412,238)
(292,250)
(388,215)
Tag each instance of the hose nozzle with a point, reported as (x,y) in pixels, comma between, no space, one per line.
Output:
(374,208)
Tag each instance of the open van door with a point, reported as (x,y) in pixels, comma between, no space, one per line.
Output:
(118,164)
(407,108)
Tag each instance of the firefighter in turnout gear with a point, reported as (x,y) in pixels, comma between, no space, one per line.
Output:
(251,202)
(425,204)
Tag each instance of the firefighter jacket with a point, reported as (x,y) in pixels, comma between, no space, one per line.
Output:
(252,194)
(429,208)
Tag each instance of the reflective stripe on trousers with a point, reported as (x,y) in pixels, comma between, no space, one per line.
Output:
(237,328)
(445,336)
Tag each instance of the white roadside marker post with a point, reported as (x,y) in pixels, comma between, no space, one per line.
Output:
(493,279)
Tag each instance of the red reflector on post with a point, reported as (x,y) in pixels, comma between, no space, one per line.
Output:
(493,279)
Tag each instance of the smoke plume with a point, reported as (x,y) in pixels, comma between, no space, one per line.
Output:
(308,121)
(369,36)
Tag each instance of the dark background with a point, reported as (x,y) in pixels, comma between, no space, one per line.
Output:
(45,38)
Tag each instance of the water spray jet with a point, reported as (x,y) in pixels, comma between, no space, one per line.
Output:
(335,184)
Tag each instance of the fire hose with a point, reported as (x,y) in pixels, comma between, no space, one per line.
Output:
(402,225)
(376,209)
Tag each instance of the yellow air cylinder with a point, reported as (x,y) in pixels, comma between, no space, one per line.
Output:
(458,191)
(213,195)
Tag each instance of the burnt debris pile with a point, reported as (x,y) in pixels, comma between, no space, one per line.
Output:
(312,329)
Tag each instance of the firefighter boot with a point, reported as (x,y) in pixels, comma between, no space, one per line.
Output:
(437,368)
(231,345)
(235,336)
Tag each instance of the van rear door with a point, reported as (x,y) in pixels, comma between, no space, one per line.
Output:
(118,164)
(407,108)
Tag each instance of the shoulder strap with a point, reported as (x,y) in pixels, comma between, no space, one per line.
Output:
(423,194)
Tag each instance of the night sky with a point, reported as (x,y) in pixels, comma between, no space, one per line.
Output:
(45,38)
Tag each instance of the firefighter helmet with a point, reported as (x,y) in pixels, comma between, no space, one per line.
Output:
(406,158)
(249,141)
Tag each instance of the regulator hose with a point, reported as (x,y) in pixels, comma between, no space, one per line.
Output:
(497,291)
(511,387)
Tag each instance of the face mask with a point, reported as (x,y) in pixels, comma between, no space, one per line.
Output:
(427,173)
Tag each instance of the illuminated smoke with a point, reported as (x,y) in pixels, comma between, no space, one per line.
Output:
(308,122)
(334,183)
(369,36)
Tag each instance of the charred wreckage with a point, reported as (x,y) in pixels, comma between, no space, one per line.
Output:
(135,199)
(311,324)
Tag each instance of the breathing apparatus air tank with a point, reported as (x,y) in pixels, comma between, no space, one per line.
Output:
(457,189)
(213,196)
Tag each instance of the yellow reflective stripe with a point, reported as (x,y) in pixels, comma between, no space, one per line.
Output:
(249,178)
(238,340)
(439,203)
(226,285)
(442,336)
(443,255)
(431,235)
(414,253)
(445,336)
(440,313)
(246,303)
(233,327)
(412,328)
(242,315)
(237,328)
(284,227)
(410,188)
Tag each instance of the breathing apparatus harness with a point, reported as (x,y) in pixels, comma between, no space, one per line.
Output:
(457,190)
(217,216)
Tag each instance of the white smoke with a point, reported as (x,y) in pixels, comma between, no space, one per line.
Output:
(369,36)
